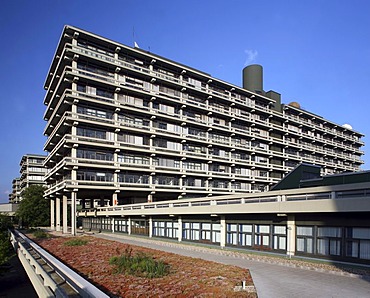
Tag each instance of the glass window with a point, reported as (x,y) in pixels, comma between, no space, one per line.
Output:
(329,232)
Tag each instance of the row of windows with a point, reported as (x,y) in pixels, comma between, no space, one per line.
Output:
(131,177)
(173,163)
(141,122)
(144,179)
(163,143)
(140,140)
(191,81)
(348,242)
(334,241)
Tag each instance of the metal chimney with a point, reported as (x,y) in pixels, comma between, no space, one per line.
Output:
(253,78)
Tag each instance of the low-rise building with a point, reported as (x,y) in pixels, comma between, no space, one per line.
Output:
(309,215)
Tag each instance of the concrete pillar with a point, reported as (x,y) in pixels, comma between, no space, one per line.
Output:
(73,213)
(65,211)
(223,232)
(52,214)
(115,199)
(179,231)
(129,226)
(113,223)
(291,235)
(150,227)
(57,214)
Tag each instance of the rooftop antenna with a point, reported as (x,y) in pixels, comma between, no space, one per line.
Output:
(133,37)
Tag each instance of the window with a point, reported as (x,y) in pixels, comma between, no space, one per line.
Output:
(262,235)
(279,237)
(133,159)
(194,148)
(166,180)
(245,234)
(358,243)
(166,162)
(98,155)
(192,165)
(133,139)
(121,225)
(92,133)
(133,178)
(94,112)
(196,182)
(232,234)
(305,239)
(133,121)
(329,240)
(94,176)
(167,229)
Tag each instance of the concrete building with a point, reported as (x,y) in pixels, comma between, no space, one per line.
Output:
(15,195)
(32,171)
(127,126)
(321,216)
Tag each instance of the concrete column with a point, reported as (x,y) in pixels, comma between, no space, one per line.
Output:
(223,232)
(291,235)
(57,214)
(115,199)
(65,211)
(73,213)
(129,226)
(52,214)
(113,222)
(179,232)
(150,227)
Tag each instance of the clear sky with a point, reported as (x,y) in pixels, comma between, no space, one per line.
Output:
(314,52)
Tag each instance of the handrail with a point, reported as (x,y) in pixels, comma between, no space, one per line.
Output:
(41,279)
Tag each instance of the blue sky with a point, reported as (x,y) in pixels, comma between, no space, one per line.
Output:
(314,52)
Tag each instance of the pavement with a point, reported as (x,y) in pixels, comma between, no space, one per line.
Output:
(271,279)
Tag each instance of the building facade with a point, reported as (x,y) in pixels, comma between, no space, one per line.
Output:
(32,171)
(322,217)
(15,195)
(127,126)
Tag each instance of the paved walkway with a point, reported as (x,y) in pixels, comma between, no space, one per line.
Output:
(270,280)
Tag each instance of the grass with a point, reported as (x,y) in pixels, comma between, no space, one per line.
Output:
(76,242)
(140,265)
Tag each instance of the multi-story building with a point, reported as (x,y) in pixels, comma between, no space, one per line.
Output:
(32,171)
(15,195)
(126,126)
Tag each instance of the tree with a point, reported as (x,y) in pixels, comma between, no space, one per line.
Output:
(34,210)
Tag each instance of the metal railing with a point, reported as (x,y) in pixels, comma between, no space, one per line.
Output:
(241,199)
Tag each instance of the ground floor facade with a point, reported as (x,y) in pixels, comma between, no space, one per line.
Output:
(341,237)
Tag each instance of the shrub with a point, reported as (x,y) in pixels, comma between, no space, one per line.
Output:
(5,248)
(140,265)
(76,242)
(39,234)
